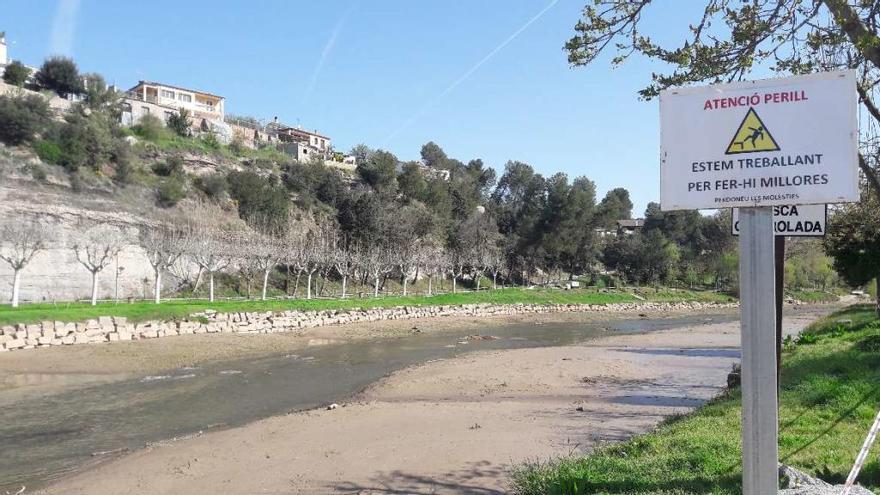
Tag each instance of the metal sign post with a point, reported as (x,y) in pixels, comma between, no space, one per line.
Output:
(757,278)
(781,143)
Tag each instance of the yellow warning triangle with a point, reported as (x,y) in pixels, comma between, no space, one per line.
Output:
(752,136)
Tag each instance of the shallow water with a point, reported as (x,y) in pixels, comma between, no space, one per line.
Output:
(48,436)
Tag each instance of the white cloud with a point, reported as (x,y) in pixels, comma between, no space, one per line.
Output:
(64,27)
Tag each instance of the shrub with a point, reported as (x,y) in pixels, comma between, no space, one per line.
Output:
(22,117)
(123,159)
(61,75)
(210,141)
(16,73)
(807,338)
(180,123)
(870,343)
(37,172)
(173,166)
(86,140)
(150,128)
(170,192)
(214,185)
(48,151)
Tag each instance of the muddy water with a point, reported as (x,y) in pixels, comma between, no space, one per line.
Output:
(47,436)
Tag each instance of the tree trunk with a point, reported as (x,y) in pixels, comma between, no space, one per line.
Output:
(198,281)
(430,279)
(16,284)
(309,286)
(323,282)
(477,277)
(453,283)
(376,287)
(287,281)
(265,282)
(494,280)
(296,285)
(94,288)
(344,282)
(211,286)
(404,284)
(877,288)
(157,289)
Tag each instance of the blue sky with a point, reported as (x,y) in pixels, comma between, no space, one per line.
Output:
(484,79)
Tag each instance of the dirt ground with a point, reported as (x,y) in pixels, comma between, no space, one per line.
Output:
(447,426)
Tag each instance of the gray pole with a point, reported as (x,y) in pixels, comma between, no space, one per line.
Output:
(757,280)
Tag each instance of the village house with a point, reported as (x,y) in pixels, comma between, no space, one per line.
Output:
(206,110)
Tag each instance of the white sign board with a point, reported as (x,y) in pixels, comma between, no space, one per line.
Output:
(792,220)
(761,143)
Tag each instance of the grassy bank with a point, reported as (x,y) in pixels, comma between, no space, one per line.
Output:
(812,296)
(831,381)
(143,310)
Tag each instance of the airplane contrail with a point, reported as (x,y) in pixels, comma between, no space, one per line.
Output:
(325,53)
(468,73)
(64,27)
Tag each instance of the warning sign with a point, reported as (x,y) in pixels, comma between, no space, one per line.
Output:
(789,141)
(792,220)
(752,136)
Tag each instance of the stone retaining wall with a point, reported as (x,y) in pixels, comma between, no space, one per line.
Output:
(114,329)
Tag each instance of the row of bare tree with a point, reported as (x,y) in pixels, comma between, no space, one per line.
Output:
(201,244)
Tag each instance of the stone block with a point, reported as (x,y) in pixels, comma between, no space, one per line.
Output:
(15,344)
(108,328)
(68,339)
(44,340)
(149,333)
(105,320)
(113,337)
(80,338)
(7,330)
(120,320)
(33,331)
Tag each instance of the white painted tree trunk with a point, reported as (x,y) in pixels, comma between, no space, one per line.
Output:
(376,288)
(494,280)
(430,280)
(211,286)
(157,290)
(344,282)
(453,284)
(198,281)
(16,285)
(265,282)
(94,288)
(309,286)
(404,285)
(478,276)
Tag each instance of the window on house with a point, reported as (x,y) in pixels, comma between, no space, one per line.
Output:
(322,143)
(167,94)
(145,110)
(184,98)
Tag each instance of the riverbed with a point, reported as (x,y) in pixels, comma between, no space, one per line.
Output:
(50,431)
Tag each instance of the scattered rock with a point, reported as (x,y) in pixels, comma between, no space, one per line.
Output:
(795,482)
(475,427)
(579,409)
(332,406)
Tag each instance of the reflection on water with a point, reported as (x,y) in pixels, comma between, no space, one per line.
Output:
(48,436)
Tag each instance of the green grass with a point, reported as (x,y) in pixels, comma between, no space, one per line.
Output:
(829,398)
(680,295)
(144,310)
(812,296)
